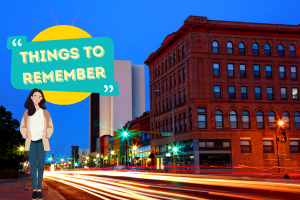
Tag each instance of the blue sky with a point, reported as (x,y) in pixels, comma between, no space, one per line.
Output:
(137,29)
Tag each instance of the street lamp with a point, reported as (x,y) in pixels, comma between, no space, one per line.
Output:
(173,130)
(74,153)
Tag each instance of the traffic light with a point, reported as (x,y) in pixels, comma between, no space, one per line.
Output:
(124,133)
(283,130)
(53,155)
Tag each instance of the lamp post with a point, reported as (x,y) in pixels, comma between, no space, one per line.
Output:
(172,123)
(74,154)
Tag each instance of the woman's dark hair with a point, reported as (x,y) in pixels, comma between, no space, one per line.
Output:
(30,105)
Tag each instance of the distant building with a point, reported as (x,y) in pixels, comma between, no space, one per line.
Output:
(80,154)
(107,113)
(74,153)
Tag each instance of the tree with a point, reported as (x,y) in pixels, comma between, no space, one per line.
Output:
(11,141)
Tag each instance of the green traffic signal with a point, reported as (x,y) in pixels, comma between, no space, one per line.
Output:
(124,133)
(175,149)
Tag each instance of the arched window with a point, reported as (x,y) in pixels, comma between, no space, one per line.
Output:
(215,46)
(233,120)
(178,54)
(162,65)
(297,120)
(246,119)
(180,125)
(280,50)
(219,119)
(267,50)
(260,119)
(272,118)
(159,127)
(292,51)
(166,64)
(255,48)
(174,59)
(229,48)
(156,128)
(170,61)
(183,52)
(241,48)
(286,118)
(185,121)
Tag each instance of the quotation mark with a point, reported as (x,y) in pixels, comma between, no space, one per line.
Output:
(106,88)
(14,42)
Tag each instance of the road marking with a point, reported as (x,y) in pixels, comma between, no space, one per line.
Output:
(134,183)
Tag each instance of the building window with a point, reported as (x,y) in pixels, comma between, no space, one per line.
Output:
(175,100)
(229,48)
(164,108)
(292,51)
(180,102)
(178,54)
(282,71)
(191,119)
(271,118)
(174,79)
(280,50)
(293,72)
(184,73)
(183,52)
(268,146)
(156,108)
(231,92)
(170,61)
(215,46)
(166,64)
(164,128)
(245,146)
(297,120)
(159,107)
(175,124)
(267,50)
(201,117)
(167,125)
(295,94)
(233,120)
(270,93)
(159,127)
(156,128)
(162,64)
(185,121)
(283,94)
(255,48)
(219,119)
(217,91)
(163,86)
(158,70)
(246,119)
(244,93)
(167,102)
(286,118)
(268,71)
(230,70)
(242,70)
(294,146)
(180,126)
(171,85)
(256,71)
(216,69)
(184,93)
(260,120)
(174,59)
(241,48)
(257,93)
(171,121)
(166,84)
(179,76)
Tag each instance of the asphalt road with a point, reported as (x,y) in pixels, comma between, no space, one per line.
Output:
(137,185)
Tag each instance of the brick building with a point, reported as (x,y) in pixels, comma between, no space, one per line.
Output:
(230,82)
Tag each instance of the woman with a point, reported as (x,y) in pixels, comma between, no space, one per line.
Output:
(36,128)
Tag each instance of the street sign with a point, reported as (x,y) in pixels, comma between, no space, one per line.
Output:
(167,134)
(168,154)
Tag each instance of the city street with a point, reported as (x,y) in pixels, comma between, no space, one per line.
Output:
(140,185)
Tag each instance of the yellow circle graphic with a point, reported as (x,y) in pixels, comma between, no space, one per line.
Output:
(62,32)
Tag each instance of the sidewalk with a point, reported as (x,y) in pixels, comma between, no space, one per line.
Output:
(21,188)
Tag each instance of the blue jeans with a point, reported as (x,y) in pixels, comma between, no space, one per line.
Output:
(37,148)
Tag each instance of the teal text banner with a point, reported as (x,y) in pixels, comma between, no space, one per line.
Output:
(73,65)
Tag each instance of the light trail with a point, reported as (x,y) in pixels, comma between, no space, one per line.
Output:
(111,184)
